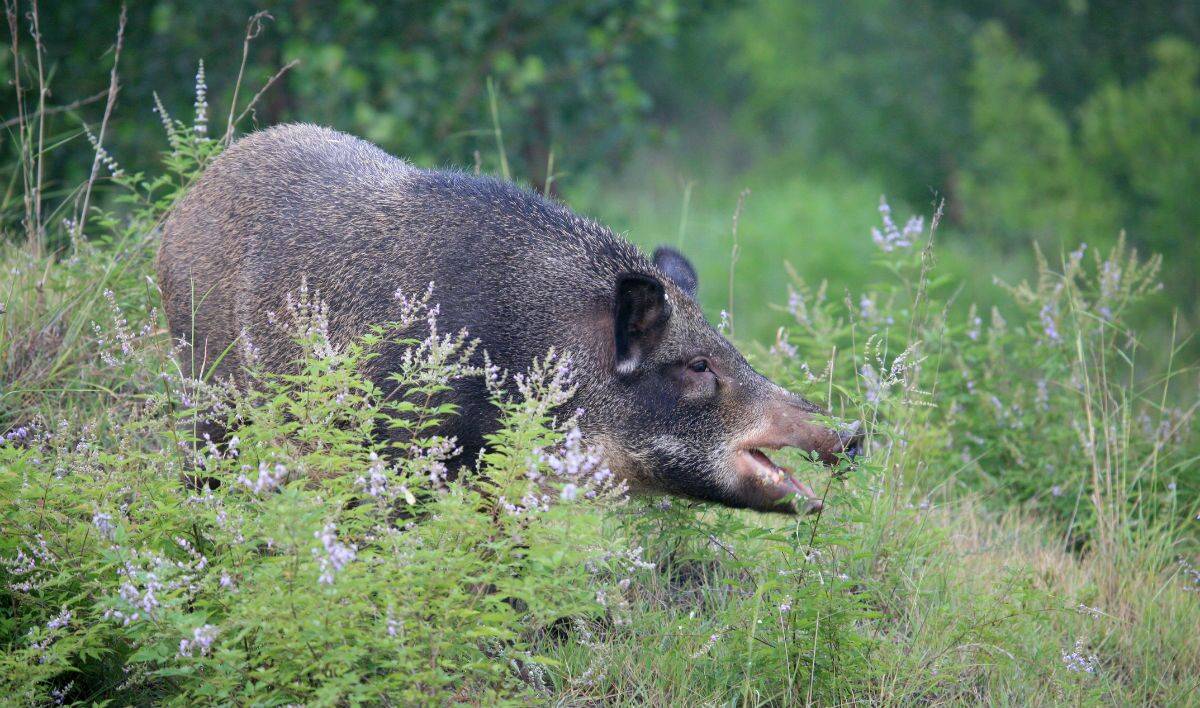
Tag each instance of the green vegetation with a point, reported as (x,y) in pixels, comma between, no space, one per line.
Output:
(1023,528)
(412,76)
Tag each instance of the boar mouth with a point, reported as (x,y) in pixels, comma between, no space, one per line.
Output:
(771,485)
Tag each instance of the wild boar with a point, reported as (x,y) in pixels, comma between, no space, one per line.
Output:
(671,403)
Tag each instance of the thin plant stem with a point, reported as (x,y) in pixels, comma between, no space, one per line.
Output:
(270,82)
(549,174)
(113,88)
(66,107)
(14,28)
(735,252)
(495,110)
(683,212)
(39,50)
(254,27)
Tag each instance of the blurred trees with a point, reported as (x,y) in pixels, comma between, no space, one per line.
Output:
(410,75)
(1023,174)
(1066,120)
(1144,136)
(1052,121)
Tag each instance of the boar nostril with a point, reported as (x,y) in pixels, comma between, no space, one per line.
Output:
(851,439)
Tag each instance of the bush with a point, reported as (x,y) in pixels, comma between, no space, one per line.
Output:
(1050,408)
(302,561)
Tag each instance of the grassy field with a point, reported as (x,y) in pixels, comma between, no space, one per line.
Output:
(1023,528)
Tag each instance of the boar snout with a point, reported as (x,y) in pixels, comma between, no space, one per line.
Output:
(851,437)
(790,422)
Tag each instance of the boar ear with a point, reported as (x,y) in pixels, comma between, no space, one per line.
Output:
(678,268)
(639,317)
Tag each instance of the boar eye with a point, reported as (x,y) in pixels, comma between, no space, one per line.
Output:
(699,366)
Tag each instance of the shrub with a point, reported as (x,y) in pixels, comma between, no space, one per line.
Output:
(305,561)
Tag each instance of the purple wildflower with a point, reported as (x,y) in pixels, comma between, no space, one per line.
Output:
(580,467)
(375,482)
(61,620)
(976,326)
(60,694)
(872,384)
(892,237)
(866,308)
(1049,325)
(782,347)
(17,435)
(104,524)
(336,556)
(1078,661)
(269,478)
(200,643)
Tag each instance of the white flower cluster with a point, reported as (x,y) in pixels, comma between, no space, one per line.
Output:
(622,564)
(31,566)
(375,481)
(117,345)
(548,384)
(308,317)
(579,467)
(200,126)
(146,578)
(104,156)
(437,359)
(878,382)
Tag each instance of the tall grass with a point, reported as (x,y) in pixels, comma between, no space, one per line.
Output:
(1023,528)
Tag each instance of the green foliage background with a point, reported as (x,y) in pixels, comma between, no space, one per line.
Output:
(1061,123)
(1022,528)
(410,76)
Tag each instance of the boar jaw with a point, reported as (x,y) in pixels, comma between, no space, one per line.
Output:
(767,486)
(788,421)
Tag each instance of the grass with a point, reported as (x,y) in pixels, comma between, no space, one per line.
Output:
(1022,530)
(818,223)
